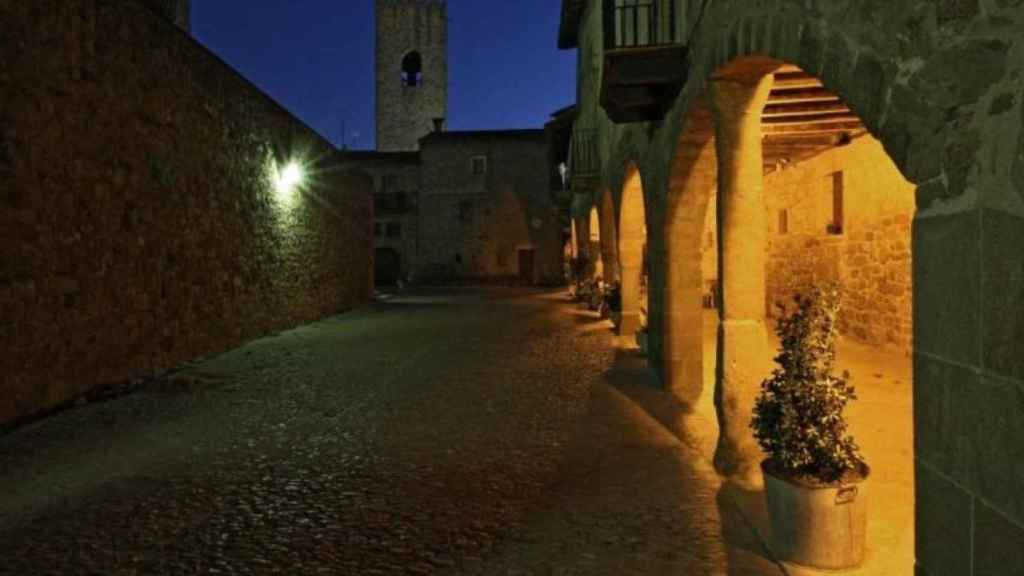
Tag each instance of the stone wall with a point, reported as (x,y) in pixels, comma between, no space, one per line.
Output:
(870,258)
(406,113)
(472,226)
(139,224)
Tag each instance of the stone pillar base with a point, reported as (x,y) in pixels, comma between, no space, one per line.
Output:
(629,324)
(684,380)
(744,361)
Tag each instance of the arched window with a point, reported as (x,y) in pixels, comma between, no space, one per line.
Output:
(412,69)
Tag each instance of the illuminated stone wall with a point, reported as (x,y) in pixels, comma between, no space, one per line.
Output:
(472,226)
(870,258)
(139,227)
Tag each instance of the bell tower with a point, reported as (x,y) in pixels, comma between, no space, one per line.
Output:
(412,71)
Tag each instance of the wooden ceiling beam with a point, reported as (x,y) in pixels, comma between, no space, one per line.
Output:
(795,82)
(782,110)
(812,120)
(801,97)
(836,128)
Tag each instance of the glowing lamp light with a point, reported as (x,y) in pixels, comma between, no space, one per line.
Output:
(289,178)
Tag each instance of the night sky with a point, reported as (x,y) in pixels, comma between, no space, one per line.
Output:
(316,57)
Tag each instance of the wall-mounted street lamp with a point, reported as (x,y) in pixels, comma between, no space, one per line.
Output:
(290,177)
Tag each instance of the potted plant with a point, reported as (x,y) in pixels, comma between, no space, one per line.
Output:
(814,474)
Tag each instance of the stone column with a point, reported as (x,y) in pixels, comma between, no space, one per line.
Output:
(694,179)
(743,356)
(632,240)
(609,238)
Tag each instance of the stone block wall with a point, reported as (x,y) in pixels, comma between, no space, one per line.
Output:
(139,223)
(472,226)
(870,258)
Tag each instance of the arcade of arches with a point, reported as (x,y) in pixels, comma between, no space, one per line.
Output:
(769,195)
(889,157)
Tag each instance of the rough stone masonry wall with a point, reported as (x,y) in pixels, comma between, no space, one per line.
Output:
(871,258)
(138,226)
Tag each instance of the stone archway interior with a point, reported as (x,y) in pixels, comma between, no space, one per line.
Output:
(632,253)
(798,193)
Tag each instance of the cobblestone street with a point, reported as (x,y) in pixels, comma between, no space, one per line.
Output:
(461,432)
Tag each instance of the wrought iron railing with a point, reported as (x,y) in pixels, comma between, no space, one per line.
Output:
(641,23)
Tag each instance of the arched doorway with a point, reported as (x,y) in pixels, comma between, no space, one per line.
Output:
(632,253)
(777,186)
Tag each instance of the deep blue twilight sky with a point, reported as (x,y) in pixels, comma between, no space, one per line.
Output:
(316,57)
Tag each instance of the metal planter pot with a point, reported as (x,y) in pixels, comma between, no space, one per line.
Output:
(821,527)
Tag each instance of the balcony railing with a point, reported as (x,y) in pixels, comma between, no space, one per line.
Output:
(640,23)
(644,58)
(584,159)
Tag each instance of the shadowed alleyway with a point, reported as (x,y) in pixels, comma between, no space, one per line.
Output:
(468,432)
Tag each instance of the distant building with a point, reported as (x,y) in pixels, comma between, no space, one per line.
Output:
(487,212)
(478,206)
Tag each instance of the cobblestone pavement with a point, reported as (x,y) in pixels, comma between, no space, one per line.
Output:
(463,432)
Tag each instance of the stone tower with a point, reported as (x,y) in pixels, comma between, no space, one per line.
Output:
(412,71)
(177,11)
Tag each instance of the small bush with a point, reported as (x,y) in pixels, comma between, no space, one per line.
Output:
(798,418)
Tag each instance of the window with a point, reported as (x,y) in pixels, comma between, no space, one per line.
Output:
(394,229)
(783,221)
(400,201)
(479,165)
(835,227)
(412,69)
(376,229)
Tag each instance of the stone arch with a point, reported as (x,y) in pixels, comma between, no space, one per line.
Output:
(412,69)
(913,126)
(633,250)
(692,180)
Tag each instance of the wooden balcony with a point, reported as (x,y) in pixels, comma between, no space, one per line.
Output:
(584,160)
(644,59)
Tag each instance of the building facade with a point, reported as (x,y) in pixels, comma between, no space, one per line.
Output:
(487,212)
